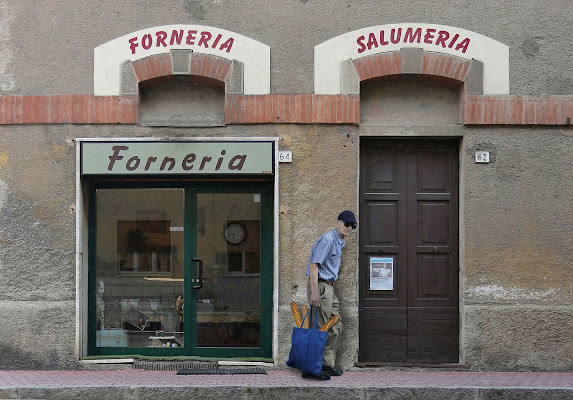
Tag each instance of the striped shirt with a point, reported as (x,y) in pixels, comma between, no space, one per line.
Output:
(327,252)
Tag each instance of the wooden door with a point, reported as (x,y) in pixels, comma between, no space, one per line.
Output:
(409,223)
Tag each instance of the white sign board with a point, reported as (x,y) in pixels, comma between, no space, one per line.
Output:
(381,274)
(176,158)
(255,56)
(432,38)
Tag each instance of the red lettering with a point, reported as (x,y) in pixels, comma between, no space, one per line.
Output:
(133,45)
(146,41)
(429,36)
(161,36)
(463,45)
(395,39)
(456,36)
(372,41)
(219,36)
(361,46)
(411,36)
(442,36)
(191,37)
(176,37)
(227,45)
(382,41)
(205,37)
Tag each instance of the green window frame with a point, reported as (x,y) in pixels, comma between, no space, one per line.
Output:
(192,189)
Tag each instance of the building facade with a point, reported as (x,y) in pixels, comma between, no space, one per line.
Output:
(166,168)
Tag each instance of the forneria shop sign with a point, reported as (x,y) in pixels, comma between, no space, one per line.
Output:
(177,37)
(176,158)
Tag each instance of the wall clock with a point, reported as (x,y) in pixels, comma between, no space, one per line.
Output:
(235,233)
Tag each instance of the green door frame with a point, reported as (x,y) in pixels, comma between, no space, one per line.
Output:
(190,232)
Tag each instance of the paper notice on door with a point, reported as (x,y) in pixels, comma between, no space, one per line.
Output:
(381,274)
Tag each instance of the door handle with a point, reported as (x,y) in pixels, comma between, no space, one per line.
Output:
(200,280)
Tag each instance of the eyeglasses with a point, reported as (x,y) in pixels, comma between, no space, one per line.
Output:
(352,224)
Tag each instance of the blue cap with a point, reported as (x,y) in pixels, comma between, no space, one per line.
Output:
(347,216)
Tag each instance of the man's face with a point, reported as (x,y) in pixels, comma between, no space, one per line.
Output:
(342,229)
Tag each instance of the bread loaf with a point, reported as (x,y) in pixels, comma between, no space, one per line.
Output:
(296,314)
(329,324)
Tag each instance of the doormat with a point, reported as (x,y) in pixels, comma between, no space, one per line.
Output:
(222,371)
(175,365)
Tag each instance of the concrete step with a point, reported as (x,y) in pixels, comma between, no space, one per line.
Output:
(139,384)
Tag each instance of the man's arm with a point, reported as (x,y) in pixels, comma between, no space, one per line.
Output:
(314,295)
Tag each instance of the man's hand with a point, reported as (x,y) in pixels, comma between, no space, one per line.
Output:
(314,299)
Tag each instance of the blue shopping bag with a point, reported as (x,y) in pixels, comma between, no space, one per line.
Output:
(307,346)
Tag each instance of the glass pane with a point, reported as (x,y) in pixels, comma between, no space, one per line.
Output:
(228,242)
(139,267)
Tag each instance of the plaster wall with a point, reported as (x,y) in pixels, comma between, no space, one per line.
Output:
(516,218)
(182,103)
(516,292)
(515,297)
(37,229)
(56,43)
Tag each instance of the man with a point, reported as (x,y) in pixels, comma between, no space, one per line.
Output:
(322,270)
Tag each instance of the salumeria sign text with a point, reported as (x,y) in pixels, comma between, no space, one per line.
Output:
(441,38)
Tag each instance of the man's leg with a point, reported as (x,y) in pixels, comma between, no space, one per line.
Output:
(333,333)
(329,307)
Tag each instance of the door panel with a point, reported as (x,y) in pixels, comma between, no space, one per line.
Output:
(229,245)
(408,211)
(432,276)
(139,268)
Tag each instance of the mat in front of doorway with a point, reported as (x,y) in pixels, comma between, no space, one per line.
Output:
(222,371)
(175,365)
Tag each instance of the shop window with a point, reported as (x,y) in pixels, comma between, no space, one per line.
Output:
(143,246)
(180,270)
(139,270)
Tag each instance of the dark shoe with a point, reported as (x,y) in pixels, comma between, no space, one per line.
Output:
(322,376)
(332,371)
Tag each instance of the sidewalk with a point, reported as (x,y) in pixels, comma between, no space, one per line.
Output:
(140,384)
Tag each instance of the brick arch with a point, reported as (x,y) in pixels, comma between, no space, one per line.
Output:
(250,59)
(436,66)
(161,68)
(334,71)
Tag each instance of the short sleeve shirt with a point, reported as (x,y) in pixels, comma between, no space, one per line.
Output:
(327,252)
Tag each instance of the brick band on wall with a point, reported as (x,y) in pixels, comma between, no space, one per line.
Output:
(514,110)
(277,108)
(69,109)
(293,108)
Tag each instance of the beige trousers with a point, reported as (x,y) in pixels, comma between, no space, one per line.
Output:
(329,306)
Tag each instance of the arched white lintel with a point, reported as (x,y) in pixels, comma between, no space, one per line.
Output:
(431,37)
(255,56)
